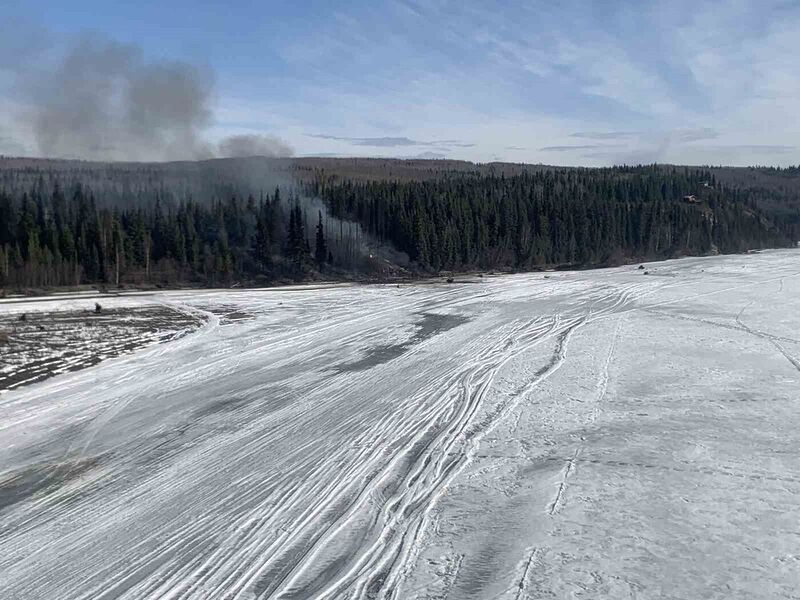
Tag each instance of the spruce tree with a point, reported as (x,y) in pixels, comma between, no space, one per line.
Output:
(321,248)
(261,244)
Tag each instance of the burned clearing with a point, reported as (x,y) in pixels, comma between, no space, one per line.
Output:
(35,346)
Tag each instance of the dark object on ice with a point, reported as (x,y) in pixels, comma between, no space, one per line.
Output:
(23,317)
(449,280)
(97,307)
(641,267)
(547,276)
(40,327)
(480,274)
(647,272)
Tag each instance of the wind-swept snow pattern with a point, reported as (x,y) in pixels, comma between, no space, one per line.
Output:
(600,434)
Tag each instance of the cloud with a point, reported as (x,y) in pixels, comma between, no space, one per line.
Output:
(378,142)
(657,81)
(325,155)
(420,156)
(642,146)
(390,142)
(756,148)
(693,135)
(430,156)
(253,145)
(573,148)
(695,81)
(9,146)
(605,135)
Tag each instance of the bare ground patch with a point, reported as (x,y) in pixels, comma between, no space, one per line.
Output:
(46,344)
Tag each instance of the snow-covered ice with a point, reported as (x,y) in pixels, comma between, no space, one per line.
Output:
(597,434)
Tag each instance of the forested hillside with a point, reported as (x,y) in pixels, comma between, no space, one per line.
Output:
(68,239)
(555,217)
(213,222)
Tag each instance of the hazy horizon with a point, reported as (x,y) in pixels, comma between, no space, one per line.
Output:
(323,156)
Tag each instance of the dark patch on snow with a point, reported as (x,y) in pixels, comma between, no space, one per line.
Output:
(40,480)
(47,344)
(229,314)
(266,401)
(430,325)
(221,405)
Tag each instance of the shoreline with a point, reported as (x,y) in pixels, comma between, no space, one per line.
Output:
(92,291)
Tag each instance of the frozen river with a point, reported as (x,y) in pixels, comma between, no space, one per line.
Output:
(597,434)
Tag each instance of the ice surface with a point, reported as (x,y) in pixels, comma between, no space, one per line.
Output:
(598,434)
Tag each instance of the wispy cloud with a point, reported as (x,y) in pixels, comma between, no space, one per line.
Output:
(605,135)
(683,135)
(429,156)
(649,80)
(390,142)
(694,135)
(757,148)
(573,148)
(10,147)
(699,81)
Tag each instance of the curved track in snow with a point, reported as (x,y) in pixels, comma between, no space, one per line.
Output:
(426,441)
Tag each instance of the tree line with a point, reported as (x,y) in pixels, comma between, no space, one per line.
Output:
(64,236)
(554,217)
(69,239)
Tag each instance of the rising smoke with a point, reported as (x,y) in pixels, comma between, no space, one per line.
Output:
(352,247)
(104,100)
(254,145)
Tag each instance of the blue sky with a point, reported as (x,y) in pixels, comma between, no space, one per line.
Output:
(591,83)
